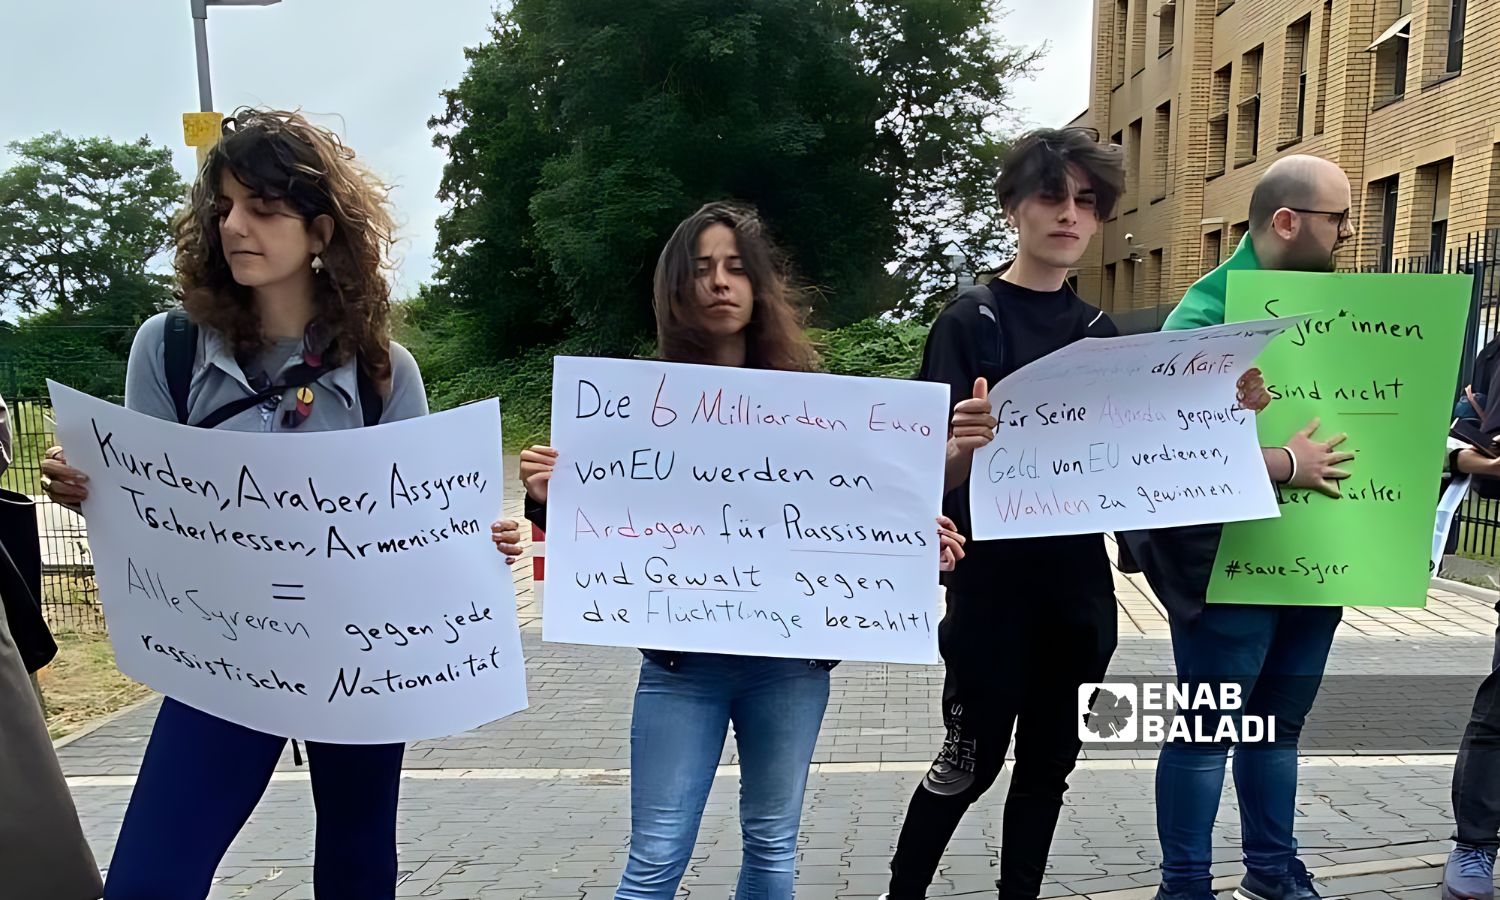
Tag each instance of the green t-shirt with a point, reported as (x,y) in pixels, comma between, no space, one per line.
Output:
(1203,304)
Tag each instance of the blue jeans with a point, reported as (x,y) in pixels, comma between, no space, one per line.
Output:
(202,777)
(676,737)
(1276,654)
(1476,773)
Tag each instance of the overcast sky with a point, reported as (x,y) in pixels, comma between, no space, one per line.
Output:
(371,69)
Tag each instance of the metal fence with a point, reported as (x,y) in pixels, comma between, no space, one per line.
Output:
(1478,521)
(70,596)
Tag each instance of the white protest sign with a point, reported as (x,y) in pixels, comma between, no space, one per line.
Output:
(338,586)
(744,511)
(1453,497)
(1117,434)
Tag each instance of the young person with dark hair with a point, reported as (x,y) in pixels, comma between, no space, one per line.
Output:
(721,298)
(1029,620)
(285,328)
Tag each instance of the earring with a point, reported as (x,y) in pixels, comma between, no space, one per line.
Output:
(317,263)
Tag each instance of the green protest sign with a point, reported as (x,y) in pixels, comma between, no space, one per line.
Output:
(1377,361)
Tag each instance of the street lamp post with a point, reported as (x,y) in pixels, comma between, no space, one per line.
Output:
(958,265)
(200,38)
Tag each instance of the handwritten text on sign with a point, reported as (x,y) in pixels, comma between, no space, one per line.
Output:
(339,586)
(1377,359)
(740,511)
(1123,433)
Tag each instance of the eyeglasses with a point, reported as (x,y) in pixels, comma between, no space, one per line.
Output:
(1341,215)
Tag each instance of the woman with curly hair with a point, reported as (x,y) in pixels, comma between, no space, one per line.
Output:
(281,258)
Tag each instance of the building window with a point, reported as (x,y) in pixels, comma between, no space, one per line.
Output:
(1127,283)
(1457,14)
(1213,251)
(1249,107)
(1491,210)
(1138,36)
(1218,122)
(1152,295)
(1294,80)
(1440,177)
(1392,53)
(1388,191)
(1237,233)
(1118,139)
(1166,28)
(1162,150)
(1133,167)
(1122,15)
(1323,66)
(1107,290)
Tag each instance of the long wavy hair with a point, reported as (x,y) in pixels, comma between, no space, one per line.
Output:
(279,155)
(774,338)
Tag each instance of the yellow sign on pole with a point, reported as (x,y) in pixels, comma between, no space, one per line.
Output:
(201,129)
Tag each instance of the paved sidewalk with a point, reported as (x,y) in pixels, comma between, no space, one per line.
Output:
(537,805)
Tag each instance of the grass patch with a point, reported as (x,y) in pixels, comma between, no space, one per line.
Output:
(82,684)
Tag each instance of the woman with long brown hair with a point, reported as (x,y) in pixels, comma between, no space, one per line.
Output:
(721,297)
(284,327)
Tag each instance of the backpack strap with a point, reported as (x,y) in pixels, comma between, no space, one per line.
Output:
(991,341)
(371,405)
(179,352)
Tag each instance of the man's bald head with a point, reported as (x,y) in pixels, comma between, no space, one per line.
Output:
(1290,182)
(1298,213)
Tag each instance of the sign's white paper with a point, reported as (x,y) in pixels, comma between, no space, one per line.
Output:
(1117,434)
(741,511)
(338,586)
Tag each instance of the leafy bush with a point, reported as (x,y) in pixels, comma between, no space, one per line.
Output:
(872,347)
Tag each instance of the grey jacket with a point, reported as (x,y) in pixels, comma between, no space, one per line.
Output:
(43,852)
(218,379)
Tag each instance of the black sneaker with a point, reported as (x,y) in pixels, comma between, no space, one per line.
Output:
(1164,894)
(1294,884)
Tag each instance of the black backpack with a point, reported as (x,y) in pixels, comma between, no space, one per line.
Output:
(180,351)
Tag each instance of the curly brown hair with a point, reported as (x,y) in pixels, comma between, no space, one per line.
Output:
(774,339)
(279,155)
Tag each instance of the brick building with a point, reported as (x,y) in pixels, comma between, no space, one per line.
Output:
(1205,94)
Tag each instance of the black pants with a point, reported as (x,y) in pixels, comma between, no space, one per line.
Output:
(1013,662)
(1476,776)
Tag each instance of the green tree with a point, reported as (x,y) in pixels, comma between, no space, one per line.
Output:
(943,72)
(82,222)
(583,132)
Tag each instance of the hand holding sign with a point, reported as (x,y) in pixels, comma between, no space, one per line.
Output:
(537,465)
(64,484)
(952,544)
(974,421)
(1317,461)
(1251,392)
(506,533)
